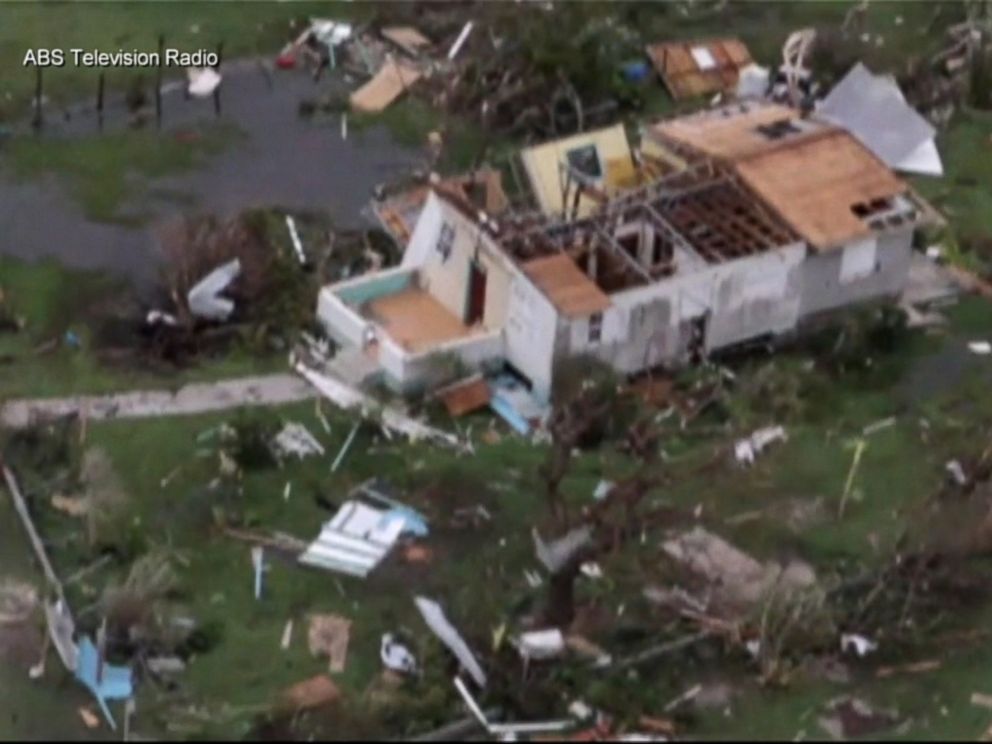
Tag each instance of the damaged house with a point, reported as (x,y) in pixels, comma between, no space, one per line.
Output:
(763,221)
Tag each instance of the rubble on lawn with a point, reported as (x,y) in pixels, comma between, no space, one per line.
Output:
(387,416)
(355,541)
(850,717)
(441,627)
(329,635)
(295,440)
(733,583)
(747,449)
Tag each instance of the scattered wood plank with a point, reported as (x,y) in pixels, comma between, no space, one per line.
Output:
(389,83)
(315,692)
(917,667)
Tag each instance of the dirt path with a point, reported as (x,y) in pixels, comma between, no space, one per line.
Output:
(194,398)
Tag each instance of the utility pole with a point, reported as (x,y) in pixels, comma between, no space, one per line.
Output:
(158,82)
(99,99)
(38,119)
(220,54)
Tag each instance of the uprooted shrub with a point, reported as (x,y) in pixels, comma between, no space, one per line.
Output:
(138,612)
(195,246)
(45,448)
(790,624)
(250,443)
(775,390)
(587,395)
(860,340)
(273,294)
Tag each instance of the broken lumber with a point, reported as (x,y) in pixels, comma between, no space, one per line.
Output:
(389,418)
(39,548)
(656,652)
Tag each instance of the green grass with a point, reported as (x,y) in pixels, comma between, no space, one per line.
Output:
(963,195)
(51,300)
(478,574)
(217,579)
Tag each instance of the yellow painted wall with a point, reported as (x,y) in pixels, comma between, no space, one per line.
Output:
(448,280)
(541,163)
(655,149)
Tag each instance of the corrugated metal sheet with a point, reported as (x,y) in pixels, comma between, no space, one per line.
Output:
(872,108)
(355,541)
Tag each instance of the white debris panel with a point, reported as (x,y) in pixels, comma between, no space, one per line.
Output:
(295,439)
(396,656)
(558,553)
(205,299)
(355,541)
(539,645)
(434,617)
(873,109)
(202,81)
(747,449)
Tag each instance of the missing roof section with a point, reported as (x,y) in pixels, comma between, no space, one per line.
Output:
(673,227)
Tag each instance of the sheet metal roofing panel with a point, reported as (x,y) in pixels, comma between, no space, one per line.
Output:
(355,541)
(872,108)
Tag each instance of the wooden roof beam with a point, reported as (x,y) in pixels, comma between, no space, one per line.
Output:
(625,257)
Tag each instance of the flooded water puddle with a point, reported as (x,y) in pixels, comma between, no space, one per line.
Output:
(276,158)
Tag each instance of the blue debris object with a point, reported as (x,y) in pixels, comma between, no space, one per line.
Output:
(514,403)
(635,72)
(258,563)
(504,409)
(110,683)
(72,340)
(414,522)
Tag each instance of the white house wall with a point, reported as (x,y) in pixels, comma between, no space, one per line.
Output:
(447,279)
(613,330)
(756,296)
(425,233)
(835,279)
(743,299)
(531,332)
